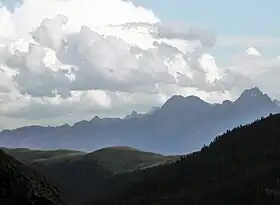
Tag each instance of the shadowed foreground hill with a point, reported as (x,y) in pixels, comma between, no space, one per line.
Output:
(78,177)
(19,185)
(240,167)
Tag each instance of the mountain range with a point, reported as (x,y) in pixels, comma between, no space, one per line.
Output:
(181,125)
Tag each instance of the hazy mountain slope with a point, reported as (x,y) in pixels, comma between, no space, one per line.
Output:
(29,156)
(181,125)
(240,167)
(277,102)
(19,185)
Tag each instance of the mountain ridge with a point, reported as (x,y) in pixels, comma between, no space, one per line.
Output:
(179,118)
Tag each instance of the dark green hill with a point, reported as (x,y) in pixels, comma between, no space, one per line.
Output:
(20,185)
(124,159)
(29,156)
(240,167)
(76,177)
(80,176)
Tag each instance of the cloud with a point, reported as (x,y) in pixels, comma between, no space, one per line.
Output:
(252,68)
(10,4)
(57,59)
(34,78)
(5,83)
(63,61)
(247,41)
(175,31)
(82,102)
(98,62)
(50,33)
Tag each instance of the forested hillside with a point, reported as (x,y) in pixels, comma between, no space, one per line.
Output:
(240,167)
(20,185)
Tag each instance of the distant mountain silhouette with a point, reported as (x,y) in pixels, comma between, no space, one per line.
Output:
(134,114)
(20,185)
(182,124)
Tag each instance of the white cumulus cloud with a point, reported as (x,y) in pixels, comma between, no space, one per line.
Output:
(65,60)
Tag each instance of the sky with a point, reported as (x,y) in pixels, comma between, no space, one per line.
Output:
(245,18)
(62,61)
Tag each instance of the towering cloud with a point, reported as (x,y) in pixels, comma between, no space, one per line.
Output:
(176,31)
(62,60)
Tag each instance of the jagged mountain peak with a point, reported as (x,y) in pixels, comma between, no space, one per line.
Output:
(96,118)
(174,101)
(179,101)
(255,91)
(253,94)
(184,119)
(176,98)
(133,114)
(193,98)
(254,97)
(225,102)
